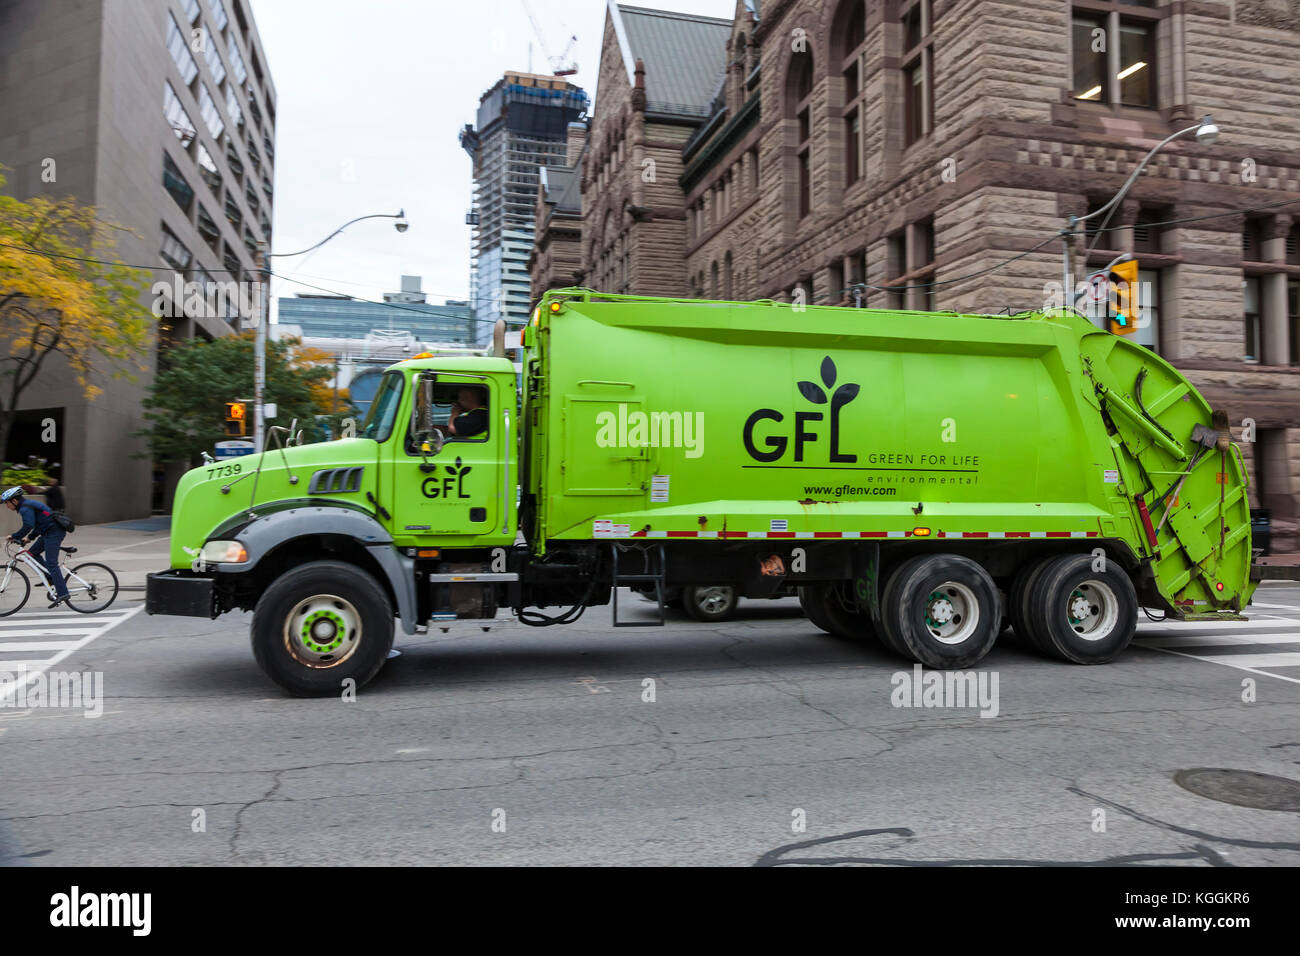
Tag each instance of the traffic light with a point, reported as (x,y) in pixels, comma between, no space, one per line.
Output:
(236,419)
(1123,280)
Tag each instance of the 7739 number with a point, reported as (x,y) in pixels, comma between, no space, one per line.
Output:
(224,471)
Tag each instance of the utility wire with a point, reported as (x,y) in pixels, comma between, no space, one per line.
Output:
(884,288)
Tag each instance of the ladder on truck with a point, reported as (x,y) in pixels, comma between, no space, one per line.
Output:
(654,563)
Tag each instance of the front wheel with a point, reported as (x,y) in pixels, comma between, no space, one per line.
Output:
(321,624)
(709,604)
(91,587)
(14,590)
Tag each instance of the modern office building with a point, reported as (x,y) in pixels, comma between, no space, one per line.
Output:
(924,154)
(161,113)
(343,317)
(521,127)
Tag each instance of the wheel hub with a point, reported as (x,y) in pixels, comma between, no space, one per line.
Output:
(322,631)
(951,613)
(941,610)
(1080,609)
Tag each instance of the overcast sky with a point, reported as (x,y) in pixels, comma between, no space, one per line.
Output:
(370,97)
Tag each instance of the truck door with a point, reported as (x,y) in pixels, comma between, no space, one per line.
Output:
(455,489)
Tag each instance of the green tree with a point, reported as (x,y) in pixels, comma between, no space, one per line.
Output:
(185,406)
(59,293)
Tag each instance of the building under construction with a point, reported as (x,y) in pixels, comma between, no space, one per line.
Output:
(521,127)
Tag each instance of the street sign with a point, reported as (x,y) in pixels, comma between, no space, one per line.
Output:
(233,449)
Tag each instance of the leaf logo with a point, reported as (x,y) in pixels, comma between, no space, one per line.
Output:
(457,469)
(842,395)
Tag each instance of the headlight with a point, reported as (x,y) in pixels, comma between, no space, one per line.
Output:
(223,552)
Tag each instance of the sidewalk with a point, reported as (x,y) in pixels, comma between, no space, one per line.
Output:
(131,548)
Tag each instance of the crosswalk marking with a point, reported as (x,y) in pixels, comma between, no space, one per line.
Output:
(87,628)
(1200,643)
(1211,640)
(1255,660)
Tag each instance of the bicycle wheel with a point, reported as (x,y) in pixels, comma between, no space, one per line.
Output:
(14,590)
(91,587)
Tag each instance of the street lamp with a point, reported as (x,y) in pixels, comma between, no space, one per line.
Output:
(1206,133)
(259,346)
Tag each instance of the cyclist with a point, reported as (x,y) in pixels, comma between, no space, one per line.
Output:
(38,522)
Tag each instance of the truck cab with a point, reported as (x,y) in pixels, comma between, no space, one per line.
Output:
(445,472)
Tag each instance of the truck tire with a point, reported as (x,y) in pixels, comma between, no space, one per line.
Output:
(827,611)
(710,604)
(1024,626)
(941,610)
(1082,615)
(812,608)
(320,624)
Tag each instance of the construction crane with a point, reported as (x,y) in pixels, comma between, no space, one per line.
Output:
(560,65)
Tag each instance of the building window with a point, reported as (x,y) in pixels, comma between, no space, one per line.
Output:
(173,251)
(1113,47)
(211,115)
(230,260)
(232,107)
(1252,244)
(1293,246)
(1250,289)
(1146,231)
(726,277)
(191,9)
(236,60)
(849,35)
(175,183)
(234,214)
(1293,321)
(208,170)
(234,162)
(180,52)
(1148,324)
(209,229)
(177,118)
(918,69)
(213,58)
(219,14)
(799,90)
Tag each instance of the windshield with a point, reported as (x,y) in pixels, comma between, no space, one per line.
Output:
(383,410)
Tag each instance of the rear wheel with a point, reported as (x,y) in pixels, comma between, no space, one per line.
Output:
(91,587)
(1082,615)
(1023,624)
(321,624)
(941,610)
(711,603)
(830,611)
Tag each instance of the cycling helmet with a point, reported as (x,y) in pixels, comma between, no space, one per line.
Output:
(14,492)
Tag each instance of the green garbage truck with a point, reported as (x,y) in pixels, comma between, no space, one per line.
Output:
(923,479)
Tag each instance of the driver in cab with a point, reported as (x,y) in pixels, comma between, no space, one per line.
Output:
(469,414)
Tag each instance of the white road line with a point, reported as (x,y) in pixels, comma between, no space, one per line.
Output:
(38,631)
(1280,659)
(40,667)
(1272,607)
(1225,627)
(34,646)
(52,621)
(1196,640)
(1228,661)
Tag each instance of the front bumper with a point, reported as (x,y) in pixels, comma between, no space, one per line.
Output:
(180,593)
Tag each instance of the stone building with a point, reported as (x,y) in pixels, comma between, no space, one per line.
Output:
(902,153)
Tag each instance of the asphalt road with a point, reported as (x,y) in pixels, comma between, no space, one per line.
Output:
(536,746)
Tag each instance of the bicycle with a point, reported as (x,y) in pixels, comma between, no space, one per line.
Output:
(91,586)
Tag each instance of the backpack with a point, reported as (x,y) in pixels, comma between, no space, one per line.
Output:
(62,520)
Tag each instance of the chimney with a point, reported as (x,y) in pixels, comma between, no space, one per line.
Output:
(576,136)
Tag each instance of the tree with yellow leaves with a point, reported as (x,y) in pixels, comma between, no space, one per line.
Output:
(60,294)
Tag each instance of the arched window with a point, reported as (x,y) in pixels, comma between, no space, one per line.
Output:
(798,99)
(849,36)
(713,286)
(726,276)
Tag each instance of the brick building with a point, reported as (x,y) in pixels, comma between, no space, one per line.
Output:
(808,147)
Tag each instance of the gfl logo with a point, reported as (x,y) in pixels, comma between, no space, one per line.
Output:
(433,487)
(776,442)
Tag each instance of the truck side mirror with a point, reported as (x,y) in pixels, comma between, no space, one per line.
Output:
(428,438)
